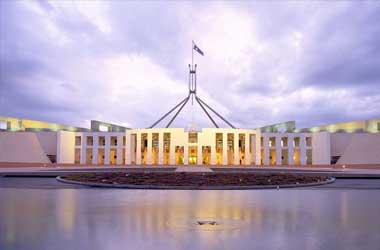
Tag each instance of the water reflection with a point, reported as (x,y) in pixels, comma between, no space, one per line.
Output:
(143,219)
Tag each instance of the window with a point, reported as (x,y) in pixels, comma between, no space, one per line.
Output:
(78,141)
(77,156)
(296,142)
(102,141)
(90,140)
(378,126)
(193,137)
(272,141)
(124,140)
(308,142)
(309,157)
(284,141)
(113,140)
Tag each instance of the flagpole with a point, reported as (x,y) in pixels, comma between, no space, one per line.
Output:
(192,54)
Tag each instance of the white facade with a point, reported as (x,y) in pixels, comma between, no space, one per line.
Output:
(175,146)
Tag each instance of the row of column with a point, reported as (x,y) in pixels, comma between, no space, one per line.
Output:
(290,148)
(95,147)
(255,149)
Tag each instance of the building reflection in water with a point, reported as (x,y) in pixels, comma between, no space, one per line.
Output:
(66,210)
(164,219)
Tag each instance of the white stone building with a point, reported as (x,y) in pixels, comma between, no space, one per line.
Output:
(280,144)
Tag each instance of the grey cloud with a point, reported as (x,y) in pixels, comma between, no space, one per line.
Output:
(342,51)
(346,52)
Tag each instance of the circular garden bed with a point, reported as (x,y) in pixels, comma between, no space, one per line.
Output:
(194,180)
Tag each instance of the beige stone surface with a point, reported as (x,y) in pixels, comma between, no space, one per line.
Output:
(21,147)
(357,148)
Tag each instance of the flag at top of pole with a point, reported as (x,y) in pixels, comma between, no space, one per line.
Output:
(195,47)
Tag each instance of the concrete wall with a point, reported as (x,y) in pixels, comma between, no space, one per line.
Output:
(321,148)
(65,147)
(21,147)
(356,148)
(48,141)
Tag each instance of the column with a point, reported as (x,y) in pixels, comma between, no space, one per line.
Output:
(149,148)
(107,150)
(278,150)
(95,145)
(138,148)
(291,150)
(172,151)
(199,153)
(225,158)
(160,148)
(266,150)
(128,148)
(247,157)
(253,148)
(119,150)
(236,148)
(213,154)
(83,151)
(302,149)
(185,154)
(258,147)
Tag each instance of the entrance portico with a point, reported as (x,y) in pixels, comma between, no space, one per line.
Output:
(219,146)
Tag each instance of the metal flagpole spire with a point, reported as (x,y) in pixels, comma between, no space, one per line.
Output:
(193,94)
(192,53)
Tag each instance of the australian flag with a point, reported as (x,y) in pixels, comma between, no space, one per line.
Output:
(195,47)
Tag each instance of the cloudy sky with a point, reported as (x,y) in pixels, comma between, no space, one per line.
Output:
(126,62)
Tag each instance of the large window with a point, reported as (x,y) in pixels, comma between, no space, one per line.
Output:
(113,156)
(102,141)
(296,157)
(89,156)
(284,141)
(101,156)
(193,137)
(219,148)
(166,148)
(230,149)
(155,146)
(90,140)
(309,156)
(242,149)
(296,142)
(272,141)
(284,157)
(206,155)
(144,148)
(308,142)
(78,140)
(193,155)
(179,151)
(113,140)
(77,156)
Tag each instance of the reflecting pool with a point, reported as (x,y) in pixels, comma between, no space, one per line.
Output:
(67,218)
